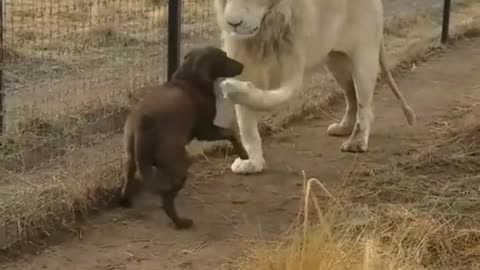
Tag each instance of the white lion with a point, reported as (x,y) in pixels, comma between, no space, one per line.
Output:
(279,40)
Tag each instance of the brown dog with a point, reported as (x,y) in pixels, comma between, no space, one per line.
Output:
(165,121)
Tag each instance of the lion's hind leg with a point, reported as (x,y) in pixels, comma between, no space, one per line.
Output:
(340,66)
(365,68)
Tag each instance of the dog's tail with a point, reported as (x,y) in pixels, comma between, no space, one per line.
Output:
(407,111)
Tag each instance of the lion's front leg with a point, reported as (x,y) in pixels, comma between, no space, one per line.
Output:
(251,140)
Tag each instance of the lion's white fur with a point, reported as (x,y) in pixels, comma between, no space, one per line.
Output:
(279,40)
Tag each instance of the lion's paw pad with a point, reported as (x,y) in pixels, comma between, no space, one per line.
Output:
(337,129)
(247,166)
(354,146)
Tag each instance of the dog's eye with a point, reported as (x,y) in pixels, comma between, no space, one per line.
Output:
(187,56)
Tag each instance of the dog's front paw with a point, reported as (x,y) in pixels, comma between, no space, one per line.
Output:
(247,166)
(235,90)
(125,202)
(183,224)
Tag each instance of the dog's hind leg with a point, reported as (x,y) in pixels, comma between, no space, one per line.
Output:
(168,200)
(172,169)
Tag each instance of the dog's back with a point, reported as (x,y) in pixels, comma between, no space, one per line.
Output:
(163,110)
(167,111)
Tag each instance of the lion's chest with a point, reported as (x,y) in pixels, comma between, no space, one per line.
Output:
(264,73)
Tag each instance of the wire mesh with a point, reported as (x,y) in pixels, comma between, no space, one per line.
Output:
(2,92)
(71,68)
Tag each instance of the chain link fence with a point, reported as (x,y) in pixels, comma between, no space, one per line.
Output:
(70,68)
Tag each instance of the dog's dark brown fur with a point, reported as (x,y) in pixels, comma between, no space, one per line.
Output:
(164,122)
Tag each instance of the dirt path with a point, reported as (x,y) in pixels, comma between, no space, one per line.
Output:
(393,7)
(229,210)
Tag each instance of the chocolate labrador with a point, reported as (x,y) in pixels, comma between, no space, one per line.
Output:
(159,127)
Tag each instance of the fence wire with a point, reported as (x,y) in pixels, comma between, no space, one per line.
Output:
(71,68)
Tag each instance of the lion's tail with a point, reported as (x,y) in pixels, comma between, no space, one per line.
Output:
(407,111)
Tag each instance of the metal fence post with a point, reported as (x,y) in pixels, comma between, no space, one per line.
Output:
(446,20)
(2,88)
(174,31)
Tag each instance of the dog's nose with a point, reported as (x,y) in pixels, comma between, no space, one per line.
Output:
(235,24)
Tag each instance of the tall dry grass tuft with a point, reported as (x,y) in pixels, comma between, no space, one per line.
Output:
(339,237)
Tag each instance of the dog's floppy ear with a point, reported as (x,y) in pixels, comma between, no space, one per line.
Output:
(201,67)
(193,66)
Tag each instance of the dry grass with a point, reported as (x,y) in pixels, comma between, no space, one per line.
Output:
(33,204)
(381,237)
(422,214)
(61,54)
(59,25)
(342,238)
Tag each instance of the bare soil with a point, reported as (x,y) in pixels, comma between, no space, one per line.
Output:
(230,211)
(395,7)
